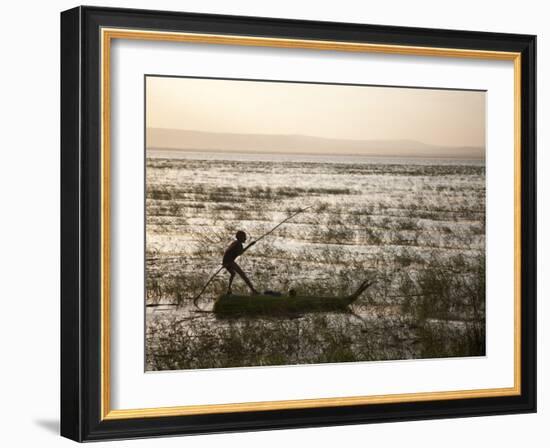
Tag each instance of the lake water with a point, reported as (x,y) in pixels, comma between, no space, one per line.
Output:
(415,226)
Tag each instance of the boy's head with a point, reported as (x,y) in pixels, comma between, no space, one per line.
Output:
(241,236)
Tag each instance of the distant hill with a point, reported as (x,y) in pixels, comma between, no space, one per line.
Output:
(177,139)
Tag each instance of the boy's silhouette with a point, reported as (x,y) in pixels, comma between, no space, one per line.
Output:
(234,250)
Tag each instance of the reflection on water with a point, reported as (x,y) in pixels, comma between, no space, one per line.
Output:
(186,338)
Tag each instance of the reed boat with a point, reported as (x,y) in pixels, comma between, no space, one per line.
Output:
(273,303)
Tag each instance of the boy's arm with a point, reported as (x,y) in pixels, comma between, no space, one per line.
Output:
(249,246)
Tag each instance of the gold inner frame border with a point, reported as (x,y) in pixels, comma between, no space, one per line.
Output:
(107,35)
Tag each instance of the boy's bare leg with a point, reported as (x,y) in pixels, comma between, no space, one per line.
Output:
(241,273)
(231,277)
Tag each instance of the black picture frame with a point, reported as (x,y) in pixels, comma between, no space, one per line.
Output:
(81,224)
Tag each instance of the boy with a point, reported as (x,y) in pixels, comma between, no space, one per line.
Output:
(234,250)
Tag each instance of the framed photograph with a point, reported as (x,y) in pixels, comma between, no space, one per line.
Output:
(274,223)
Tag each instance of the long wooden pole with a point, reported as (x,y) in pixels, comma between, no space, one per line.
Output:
(206,285)
(247,247)
(281,223)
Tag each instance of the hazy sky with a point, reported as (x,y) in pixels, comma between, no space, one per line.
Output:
(436,117)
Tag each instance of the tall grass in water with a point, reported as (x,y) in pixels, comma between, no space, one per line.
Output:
(417,230)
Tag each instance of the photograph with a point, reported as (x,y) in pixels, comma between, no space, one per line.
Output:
(291,223)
